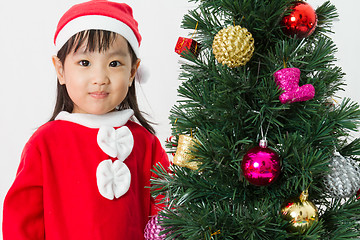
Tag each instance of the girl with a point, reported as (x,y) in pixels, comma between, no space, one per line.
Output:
(83,175)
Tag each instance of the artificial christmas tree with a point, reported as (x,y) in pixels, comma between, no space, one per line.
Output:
(227,107)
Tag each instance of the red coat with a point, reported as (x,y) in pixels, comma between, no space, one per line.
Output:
(56,195)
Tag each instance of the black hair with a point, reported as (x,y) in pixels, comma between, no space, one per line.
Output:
(96,40)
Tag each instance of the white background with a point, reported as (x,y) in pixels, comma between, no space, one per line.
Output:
(28,80)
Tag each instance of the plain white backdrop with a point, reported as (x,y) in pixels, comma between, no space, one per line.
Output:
(28,80)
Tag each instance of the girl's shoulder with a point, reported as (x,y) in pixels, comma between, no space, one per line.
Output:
(141,133)
(47,129)
(137,129)
(52,130)
(45,135)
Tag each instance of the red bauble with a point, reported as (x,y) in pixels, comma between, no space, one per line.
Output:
(301,22)
(358,194)
(261,166)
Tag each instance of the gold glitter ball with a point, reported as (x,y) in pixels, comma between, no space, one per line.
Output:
(233,46)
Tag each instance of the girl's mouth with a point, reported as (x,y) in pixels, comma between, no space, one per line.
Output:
(99,95)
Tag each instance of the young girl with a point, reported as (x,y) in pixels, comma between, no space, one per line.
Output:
(85,173)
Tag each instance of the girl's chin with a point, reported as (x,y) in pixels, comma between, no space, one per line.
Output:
(94,111)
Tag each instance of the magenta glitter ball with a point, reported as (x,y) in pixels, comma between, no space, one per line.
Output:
(288,80)
(153,229)
(301,22)
(261,166)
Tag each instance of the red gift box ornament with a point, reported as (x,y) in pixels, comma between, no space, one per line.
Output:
(184,45)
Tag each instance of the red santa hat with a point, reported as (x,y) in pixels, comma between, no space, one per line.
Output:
(99,15)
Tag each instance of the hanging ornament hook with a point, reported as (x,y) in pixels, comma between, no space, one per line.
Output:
(197,24)
(285,65)
(263,142)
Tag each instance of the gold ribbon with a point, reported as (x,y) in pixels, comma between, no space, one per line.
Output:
(216,233)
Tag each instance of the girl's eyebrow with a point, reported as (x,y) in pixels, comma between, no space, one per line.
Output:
(118,52)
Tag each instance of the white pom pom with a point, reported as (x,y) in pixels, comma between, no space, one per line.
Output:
(142,74)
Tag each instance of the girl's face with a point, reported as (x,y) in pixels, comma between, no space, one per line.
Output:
(97,82)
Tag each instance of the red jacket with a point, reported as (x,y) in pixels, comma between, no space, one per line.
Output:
(56,193)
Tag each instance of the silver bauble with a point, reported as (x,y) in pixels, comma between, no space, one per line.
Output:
(343,179)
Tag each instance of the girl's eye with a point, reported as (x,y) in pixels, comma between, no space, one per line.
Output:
(115,64)
(84,63)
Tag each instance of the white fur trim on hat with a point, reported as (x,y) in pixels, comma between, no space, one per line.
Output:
(96,22)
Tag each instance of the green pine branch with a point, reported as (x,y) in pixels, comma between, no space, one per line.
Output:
(228,110)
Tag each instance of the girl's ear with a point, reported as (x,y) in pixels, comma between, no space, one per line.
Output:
(59,68)
(133,71)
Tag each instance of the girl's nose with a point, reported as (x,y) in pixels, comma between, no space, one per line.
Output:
(100,77)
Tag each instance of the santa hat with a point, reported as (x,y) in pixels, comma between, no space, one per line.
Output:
(98,15)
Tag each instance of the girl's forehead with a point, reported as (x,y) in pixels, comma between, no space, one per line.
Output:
(116,44)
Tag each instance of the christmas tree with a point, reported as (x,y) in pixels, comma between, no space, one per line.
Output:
(260,73)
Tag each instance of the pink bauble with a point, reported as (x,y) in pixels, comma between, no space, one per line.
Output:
(153,229)
(261,166)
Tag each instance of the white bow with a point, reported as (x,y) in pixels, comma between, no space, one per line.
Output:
(113,179)
(116,143)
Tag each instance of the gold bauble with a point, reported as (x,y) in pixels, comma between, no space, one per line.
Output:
(183,156)
(233,46)
(300,212)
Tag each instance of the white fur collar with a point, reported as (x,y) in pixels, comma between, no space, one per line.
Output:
(112,119)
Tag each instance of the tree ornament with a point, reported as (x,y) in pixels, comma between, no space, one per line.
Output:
(169,140)
(261,165)
(183,156)
(358,194)
(288,80)
(301,22)
(343,179)
(153,229)
(233,46)
(184,45)
(300,212)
